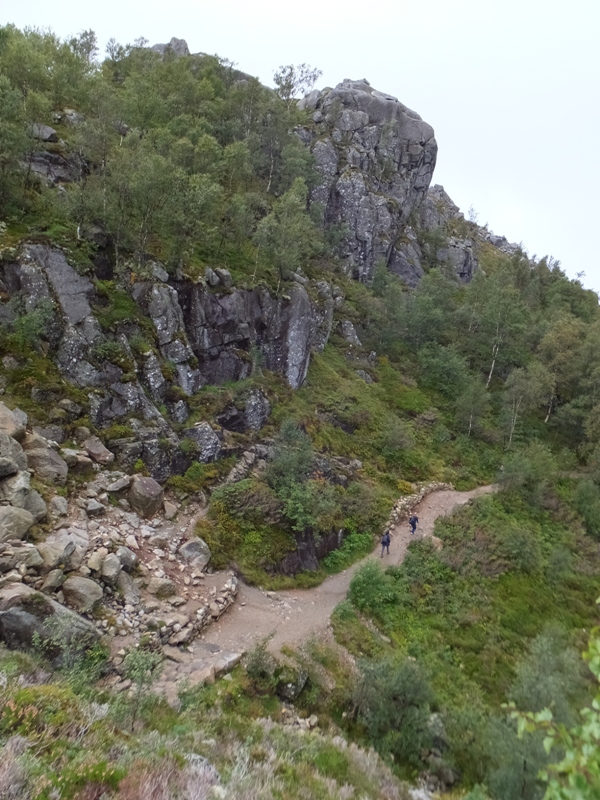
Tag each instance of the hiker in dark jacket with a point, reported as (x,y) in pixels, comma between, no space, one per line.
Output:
(385,543)
(413,523)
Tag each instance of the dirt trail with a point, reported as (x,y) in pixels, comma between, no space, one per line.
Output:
(291,617)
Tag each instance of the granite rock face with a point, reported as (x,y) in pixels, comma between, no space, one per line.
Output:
(376,159)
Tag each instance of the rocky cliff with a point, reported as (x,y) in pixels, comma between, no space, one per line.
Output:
(376,159)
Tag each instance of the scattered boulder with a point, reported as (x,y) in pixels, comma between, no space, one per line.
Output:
(11,449)
(145,496)
(59,506)
(225,277)
(47,465)
(25,612)
(349,333)
(125,585)
(55,553)
(9,423)
(16,489)
(82,594)
(119,485)
(162,587)
(211,277)
(14,523)
(127,558)
(36,505)
(196,552)
(111,566)
(97,451)
(53,581)
(7,467)
(44,132)
(170,510)
(93,508)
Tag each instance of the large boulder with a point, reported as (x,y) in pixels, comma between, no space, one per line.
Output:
(145,496)
(45,462)
(195,552)
(10,424)
(111,566)
(25,612)
(14,523)
(97,451)
(82,594)
(11,450)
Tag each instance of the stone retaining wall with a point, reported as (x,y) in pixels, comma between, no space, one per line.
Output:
(405,505)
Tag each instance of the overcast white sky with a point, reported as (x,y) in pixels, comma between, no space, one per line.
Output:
(511,87)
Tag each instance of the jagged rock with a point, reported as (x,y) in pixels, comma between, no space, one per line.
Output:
(211,277)
(349,333)
(16,489)
(11,449)
(176,47)
(119,484)
(224,277)
(14,523)
(206,440)
(73,410)
(127,558)
(18,555)
(364,375)
(36,505)
(82,594)
(53,581)
(125,585)
(94,509)
(25,612)
(170,510)
(59,506)
(242,468)
(9,424)
(71,289)
(145,496)
(94,562)
(55,553)
(376,159)
(111,566)
(70,457)
(252,416)
(154,378)
(162,587)
(43,132)
(195,552)
(97,451)
(47,465)
(53,433)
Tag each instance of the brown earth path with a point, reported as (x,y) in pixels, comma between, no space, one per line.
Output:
(291,617)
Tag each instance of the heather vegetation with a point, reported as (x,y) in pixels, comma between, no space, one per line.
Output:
(193,163)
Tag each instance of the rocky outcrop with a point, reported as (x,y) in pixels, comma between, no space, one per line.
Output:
(224,329)
(176,47)
(25,612)
(250,414)
(376,158)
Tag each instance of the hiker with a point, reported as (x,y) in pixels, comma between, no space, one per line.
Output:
(385,543)
(413,523)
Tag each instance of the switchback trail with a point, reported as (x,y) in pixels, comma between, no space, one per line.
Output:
(292,617)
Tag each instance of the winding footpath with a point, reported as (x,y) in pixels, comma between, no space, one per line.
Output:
(293,617)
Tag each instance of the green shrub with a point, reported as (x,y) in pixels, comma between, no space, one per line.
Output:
(394,704)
